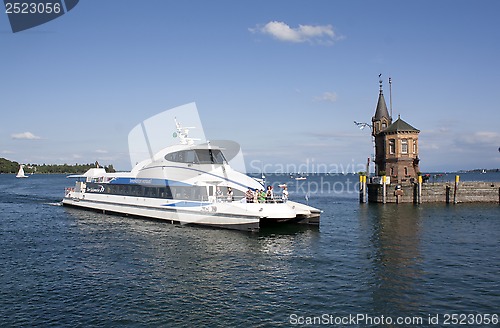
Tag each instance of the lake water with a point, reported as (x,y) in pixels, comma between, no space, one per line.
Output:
(67,268)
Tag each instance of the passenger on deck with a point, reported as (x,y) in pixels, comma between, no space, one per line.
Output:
(230,196)
(284,194)
(262,196)
(269,194)
(249,195)
(219,194)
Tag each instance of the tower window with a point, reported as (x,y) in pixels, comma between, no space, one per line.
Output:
(404,146)
(414,146)
(392,146)
(384,125)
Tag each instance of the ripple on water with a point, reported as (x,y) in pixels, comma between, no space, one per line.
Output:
(65,267)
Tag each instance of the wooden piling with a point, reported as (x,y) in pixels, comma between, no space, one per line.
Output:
(362,189)
(455,190)
(384,190)
(419,190)
(365,195)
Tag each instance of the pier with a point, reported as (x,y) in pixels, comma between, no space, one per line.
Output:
(397,176)
(437,192)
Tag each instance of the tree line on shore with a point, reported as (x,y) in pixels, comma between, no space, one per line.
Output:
(7,166)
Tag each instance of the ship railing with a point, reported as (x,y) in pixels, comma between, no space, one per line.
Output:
(277,199)
(225,199)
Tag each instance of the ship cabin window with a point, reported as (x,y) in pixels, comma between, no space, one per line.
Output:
(197,156)
(167,192)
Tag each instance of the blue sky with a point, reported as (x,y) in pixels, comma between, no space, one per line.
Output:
(285,79)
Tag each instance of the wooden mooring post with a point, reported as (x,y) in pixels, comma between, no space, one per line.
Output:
(419,190)
(455,190)
(362,188)
(384,190)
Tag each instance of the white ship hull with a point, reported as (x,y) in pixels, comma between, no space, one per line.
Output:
(229,215)
(187,184)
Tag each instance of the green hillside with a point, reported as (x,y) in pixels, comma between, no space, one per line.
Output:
(7,166)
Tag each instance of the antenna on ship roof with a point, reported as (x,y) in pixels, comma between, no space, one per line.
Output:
(183,133)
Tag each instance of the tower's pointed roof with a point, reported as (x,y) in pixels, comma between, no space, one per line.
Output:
(381,110)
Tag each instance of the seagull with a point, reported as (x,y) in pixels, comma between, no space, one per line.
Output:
(361,126)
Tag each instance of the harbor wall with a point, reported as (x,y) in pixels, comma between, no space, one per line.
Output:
(444,192)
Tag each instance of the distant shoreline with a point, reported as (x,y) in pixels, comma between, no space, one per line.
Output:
(11,167)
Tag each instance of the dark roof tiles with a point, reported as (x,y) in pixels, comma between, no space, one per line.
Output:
(400,126)
(381,110)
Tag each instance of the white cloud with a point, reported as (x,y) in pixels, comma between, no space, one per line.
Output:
(7,152)
(25,135)
(337,135)
(319,34)
(480,138)
(327,96)
(428,146)
(449,141)
(452,149)
(101,151)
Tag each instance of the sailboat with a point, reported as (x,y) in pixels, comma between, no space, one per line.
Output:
(20,173)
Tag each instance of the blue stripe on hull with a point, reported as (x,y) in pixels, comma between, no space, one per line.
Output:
(188,204)
(149,182)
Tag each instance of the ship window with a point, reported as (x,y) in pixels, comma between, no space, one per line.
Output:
(404,146)
(183,156)
(197,156)
(204,156)
(218,157)
(190,156)
(210,156)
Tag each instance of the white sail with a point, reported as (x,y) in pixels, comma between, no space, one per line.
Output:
(20,173)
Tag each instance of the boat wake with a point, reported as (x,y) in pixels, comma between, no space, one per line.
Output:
(54,204)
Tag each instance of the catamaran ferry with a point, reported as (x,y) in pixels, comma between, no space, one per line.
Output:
(186,184)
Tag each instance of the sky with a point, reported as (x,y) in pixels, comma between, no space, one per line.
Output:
(284,79)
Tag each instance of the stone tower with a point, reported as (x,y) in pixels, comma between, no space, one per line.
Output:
(396,145)
(380,121)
